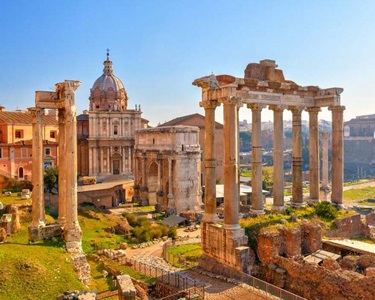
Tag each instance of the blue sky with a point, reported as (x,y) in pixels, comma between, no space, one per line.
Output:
(159,47)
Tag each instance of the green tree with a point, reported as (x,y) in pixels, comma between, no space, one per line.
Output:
(51,178)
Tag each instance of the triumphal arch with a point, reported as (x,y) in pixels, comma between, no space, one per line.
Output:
(263,85)
(62,99)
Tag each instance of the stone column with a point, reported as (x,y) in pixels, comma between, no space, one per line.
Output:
(38,214)
(159,158)
(231,196)
(278,157)
(144,175)
(325,137)
(337,154)
(257,206)
(170,196)
(62,168)
(72,232)
(297,195)
(314,153)
(210,213)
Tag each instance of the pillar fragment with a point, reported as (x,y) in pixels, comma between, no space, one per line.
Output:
(231,196)
(278,157)
(257,206)
(297,196)
(62,169)
(337,154)
(314,153)
(210,213)
(38,213)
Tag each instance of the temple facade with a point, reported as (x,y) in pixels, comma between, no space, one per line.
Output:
(106,131)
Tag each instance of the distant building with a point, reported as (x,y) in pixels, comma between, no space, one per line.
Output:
(16,143)
(359,147)
(199,121)
(106,132)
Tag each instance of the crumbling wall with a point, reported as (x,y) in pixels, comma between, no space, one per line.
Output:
(348,227)
(325,282)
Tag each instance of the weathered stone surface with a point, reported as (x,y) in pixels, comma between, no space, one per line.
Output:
(3,235)
(126,287)
(82,268)
(269,244)
(311,237)
(47,232)
(370,271)
(331,264)
(348,227)
(370,219)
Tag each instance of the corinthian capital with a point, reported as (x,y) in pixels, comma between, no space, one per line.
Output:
(256,106)
(313,110)
(209,104)
(337,108)
(296,110)
(277,108)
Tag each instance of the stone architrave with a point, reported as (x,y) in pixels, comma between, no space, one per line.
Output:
(257,206)
(210,213)
(278,158)
(337,154)
(314,154)
(297,195)
(38,213)
(231,198)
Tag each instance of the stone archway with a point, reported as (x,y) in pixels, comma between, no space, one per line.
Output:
(20,172)
(152,182)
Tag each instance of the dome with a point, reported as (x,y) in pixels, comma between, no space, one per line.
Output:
(108,91)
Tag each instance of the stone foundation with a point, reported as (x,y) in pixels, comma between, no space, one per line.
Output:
(348,227)
(82,268)
(73,240)
(126,289)
(226,246)
(43,233)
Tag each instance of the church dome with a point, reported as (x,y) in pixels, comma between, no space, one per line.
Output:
(108,91)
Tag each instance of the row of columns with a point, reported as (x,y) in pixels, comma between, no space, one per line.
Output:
(96,157)
(67,201)
(231,183)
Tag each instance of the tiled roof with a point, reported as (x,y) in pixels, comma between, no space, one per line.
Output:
(23,117)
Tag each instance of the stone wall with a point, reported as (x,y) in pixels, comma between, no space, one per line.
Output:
(42,233)
(226,246)
(303,239)
(315,282)
(348,227)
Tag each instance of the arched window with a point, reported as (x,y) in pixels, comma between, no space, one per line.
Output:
(20,172)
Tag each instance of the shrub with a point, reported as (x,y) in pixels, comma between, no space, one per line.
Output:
(326,211)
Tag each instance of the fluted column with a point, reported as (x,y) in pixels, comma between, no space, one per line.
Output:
(231,196)
(210,214)
(297,194)
(257,206)
(38,214)
(314,153)
(144,175)
(337,154)
(170,196)
(278,157)
(62,168)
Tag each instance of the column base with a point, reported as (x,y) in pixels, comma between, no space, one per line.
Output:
(232,226)
(312,201)
(38,224)
(297,205)
(61,221)
(338,205)
(278,208)
(257,212)
(211,218)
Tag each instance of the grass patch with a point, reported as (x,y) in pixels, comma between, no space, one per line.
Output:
(356,182)
(35,271)
(182,256)
(14,199)
(359,194)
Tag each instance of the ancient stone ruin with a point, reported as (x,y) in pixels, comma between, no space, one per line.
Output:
(263,85)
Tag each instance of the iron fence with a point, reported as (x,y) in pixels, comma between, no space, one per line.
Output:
(173,278)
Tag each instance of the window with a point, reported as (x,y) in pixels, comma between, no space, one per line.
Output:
(115,130)
(19,134)
(53,134)
(1,152)
(47,151)
(24,152)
